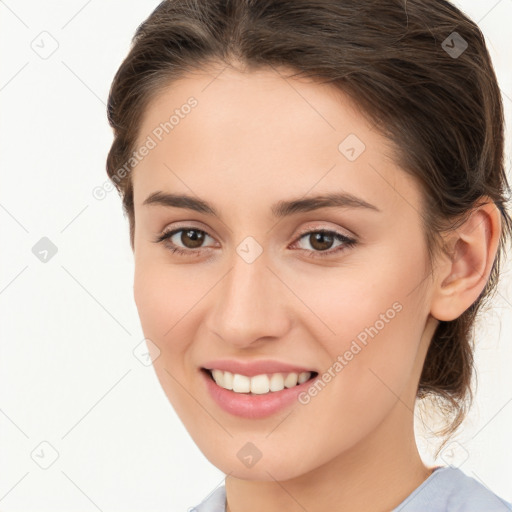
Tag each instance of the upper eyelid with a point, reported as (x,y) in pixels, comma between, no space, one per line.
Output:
(314,229)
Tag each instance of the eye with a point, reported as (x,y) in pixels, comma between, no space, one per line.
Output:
(191,238)
(321,240)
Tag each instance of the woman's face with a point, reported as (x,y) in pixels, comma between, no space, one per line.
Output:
(257,281)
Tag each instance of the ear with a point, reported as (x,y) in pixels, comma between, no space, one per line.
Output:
(461,278)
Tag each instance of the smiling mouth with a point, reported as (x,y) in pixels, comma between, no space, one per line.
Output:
(258,384)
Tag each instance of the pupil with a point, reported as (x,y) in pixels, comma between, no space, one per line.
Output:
(321,241)
(193,235)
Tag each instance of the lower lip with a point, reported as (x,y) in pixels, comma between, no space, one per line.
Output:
(254,406)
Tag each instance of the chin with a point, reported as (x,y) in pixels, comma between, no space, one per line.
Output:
(269,467)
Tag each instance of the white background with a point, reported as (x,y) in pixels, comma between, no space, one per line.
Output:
(68,375)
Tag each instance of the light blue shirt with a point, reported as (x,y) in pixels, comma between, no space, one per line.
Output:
(447,489)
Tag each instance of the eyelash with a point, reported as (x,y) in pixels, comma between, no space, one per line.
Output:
(347,242)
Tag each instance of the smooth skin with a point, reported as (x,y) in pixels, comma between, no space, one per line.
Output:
(256,138)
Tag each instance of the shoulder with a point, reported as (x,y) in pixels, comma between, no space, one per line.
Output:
(449,489)
(215,502)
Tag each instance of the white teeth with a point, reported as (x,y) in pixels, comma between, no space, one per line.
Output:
(259,384)
(218,377)
(241,383)
(291,380)
(276,382)
(228,380)
(303,377)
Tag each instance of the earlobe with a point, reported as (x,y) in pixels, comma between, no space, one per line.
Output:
(462,277)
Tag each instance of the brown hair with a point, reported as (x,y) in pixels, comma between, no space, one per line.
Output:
(395,58)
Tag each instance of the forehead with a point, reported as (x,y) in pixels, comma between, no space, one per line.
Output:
(256,103)
(262,132)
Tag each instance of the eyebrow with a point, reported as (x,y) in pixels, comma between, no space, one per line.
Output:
(280,209)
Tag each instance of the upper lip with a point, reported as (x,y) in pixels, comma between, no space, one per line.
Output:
(252,368)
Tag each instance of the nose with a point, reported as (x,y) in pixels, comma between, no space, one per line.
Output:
(250,305)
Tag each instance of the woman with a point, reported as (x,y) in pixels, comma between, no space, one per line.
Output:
(316,198)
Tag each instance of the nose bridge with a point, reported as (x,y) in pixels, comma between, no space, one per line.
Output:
(249,303)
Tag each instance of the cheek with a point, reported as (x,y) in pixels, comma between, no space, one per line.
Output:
(163,298)
(370,368)
(371,326)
